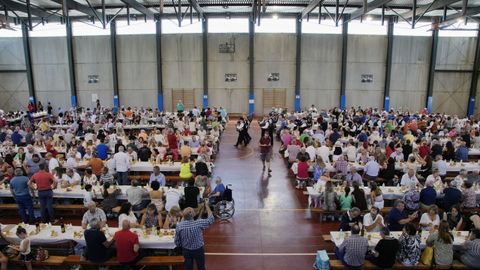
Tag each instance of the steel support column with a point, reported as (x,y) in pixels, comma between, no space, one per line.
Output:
(158,35)
(298,63)
(473,85)
(205,61)
(343,72)
(388,68)
(431,72)
(71,63)
(113,47)
(28,63)
(251,61)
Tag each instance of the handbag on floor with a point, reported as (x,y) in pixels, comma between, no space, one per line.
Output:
(322,262)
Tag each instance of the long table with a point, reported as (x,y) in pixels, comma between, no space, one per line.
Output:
(51,235)
(389,192)
(76,192)
(451,167)
(373,238)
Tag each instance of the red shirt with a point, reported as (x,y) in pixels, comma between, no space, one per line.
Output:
(43,179)
(124,241)
(265,141)
(424,151)
(302,170)
(172,141)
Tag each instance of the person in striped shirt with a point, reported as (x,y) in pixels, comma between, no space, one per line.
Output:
(189,236)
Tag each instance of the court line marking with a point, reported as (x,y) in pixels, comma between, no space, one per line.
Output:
(259,254)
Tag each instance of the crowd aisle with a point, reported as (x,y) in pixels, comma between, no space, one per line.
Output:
(270,228)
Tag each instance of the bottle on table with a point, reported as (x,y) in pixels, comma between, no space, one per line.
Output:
(62,226)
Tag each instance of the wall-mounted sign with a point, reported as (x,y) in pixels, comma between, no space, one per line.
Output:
(93,79)
(367,78)
(273,77)
(230,77)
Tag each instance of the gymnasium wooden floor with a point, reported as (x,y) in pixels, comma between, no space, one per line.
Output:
(271,228)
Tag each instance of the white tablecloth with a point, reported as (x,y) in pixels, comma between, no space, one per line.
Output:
(75,233)
(389,192)
(339,237)
(469,166)
(76,192)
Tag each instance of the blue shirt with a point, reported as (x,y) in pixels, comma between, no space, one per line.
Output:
(393,219)
(16,138)
(452,197)
(428,196)
(189,233)
(102,150)
(160,178)
(219,188)
(19,185)
(461,154)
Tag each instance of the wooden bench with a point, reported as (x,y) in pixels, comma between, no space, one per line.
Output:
(168,178)
(55,261)
(337,264)
(59,207)
(146,261)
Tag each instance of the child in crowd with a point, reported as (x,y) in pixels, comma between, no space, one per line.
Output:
(25,252)
(87,195)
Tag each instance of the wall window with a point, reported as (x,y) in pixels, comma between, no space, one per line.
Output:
(138,27)
(52,29)
(459,29)
(90,29)
(170,26)
(402,28)
(268,25)
(326,26)
(16,31)
(234,25)
(367,27)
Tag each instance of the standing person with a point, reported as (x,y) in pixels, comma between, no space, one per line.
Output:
(266,151)
(21,193)
(189,236)
(180,106)
(45,183)
(122,165)
(241,133)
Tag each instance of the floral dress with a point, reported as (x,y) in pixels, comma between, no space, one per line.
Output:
(409,253)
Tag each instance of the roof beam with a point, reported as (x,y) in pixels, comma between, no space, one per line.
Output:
(197,7)
(78,7)
(367,8)
(437,4)
(139,7)
(452,19)
(16,6)
(310,7)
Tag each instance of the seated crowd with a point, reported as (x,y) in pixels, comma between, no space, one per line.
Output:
(94,151)
(349,159)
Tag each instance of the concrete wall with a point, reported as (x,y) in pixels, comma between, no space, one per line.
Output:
(320,71)
(451,90)
(275,53)
(13,86)
(410,62)
(231,95)
(50,70)
(366,55)
(182,66)
(92,56)
(182,69)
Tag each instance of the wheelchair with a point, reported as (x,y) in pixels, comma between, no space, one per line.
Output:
(225,208)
